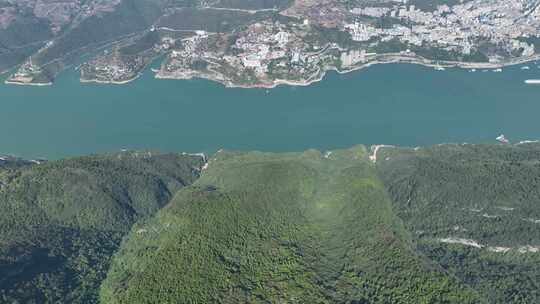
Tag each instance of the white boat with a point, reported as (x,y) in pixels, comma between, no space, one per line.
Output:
(532,81)
(497,70)
(525,67)
(501,138)
(473,70)
(439,68)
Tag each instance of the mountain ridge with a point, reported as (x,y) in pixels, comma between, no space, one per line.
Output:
(453,223)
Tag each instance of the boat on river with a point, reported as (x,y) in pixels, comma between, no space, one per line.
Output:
(502,139)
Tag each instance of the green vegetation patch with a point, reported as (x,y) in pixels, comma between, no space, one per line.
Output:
(61,221)
(271,228)
(489,194)
(254,4)
(211,20)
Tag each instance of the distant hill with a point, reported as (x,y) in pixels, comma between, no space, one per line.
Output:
(442,224)
(48,37)
(257,43)
(61,221)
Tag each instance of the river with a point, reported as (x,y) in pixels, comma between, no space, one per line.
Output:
(397,104)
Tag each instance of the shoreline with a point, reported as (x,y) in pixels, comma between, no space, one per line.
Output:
(396,59)
(115,82)
(386,59)
(372,148)
(390,58)
(36,84)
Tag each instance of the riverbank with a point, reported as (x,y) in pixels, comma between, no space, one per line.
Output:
(379,59)
(115,82)
(37,84)
(316,77)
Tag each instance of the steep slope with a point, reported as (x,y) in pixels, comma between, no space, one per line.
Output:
(278,228)
(121,20)
(21,34)
(43,38)
(61,221)
(475,210)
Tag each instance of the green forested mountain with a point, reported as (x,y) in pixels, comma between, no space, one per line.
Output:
(489,195)
(444,224)
(291,228)
(61,221)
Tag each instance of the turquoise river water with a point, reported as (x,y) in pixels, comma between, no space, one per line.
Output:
(391,104)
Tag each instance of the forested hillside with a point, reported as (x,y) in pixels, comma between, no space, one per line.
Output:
(443,224)
(61,221)
(475,210)
(271,228)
